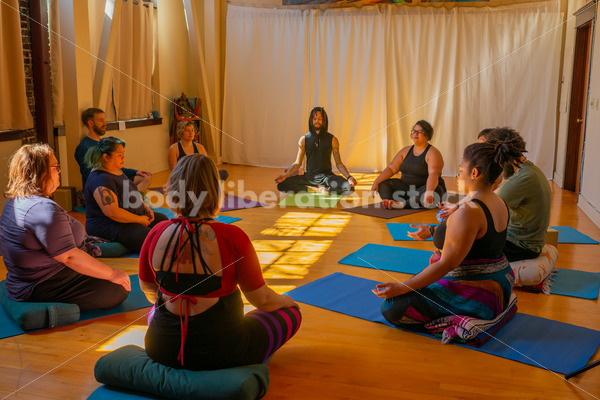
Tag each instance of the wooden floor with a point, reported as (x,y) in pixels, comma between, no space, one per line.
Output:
(333,356)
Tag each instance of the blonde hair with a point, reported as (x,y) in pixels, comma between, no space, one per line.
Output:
(198,174)
(181,127)
(28,170)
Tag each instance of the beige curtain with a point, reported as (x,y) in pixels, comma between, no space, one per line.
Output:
(132,76)
(14,109)
(379,69)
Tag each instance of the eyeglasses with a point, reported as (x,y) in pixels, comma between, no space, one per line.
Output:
(57,166)
(414,131)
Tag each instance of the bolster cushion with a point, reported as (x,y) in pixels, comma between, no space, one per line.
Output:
(533,272)
(38,315)
(130,367)
(112,249)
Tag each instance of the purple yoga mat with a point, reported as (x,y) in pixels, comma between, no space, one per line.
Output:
(231,202)
(377,210)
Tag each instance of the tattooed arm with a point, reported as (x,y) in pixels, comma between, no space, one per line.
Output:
(107,200)
(335,144)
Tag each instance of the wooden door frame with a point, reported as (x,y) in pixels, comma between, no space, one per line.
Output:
(578,99)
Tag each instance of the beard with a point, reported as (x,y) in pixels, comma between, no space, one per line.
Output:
(98,131)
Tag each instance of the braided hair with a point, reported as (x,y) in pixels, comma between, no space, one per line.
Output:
(504,149)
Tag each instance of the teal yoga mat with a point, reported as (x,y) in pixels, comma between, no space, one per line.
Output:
(528,339)
(399,230)
(113,393)
(134,301)
(567,234)
(573,283)
(310,200)
(389,258)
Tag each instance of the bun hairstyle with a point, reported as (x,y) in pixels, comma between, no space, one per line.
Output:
(503,150)
(510,148)
(427,128)
(106,145)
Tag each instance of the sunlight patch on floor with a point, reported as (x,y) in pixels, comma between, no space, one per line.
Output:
(133,334)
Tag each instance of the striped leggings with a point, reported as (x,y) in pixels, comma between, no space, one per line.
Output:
(221,337)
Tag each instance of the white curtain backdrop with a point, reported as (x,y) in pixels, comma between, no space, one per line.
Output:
(14,108)
(377,70)
(132,86)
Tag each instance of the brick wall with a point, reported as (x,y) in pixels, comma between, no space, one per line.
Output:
(28,136)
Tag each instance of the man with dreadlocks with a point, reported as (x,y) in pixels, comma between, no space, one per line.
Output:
(317,145)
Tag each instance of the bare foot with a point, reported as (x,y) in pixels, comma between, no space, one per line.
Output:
(319,189)
(391,204)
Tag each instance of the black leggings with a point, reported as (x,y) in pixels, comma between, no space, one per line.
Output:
(68,286)
(412,196)
(132,235)
(299,183)
(516,253)
(220,337)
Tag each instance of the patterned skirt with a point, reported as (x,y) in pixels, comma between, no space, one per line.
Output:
(477,288)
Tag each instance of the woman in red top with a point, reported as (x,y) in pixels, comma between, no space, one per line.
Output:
(193,269)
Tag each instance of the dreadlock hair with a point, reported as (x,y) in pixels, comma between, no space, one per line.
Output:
(485,134)
(484,157)
(324,127)
(513,146)
(427,128)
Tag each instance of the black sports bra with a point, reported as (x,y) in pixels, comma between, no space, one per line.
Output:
(196,284)
(489,246)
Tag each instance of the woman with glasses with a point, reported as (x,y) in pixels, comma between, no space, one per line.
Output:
(43,247)
(114,208)
(420,183)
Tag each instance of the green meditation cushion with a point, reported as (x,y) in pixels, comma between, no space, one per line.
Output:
(35,315)
(112,249)
(130,367)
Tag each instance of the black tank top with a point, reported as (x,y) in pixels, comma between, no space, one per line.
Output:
(489,246)
(182,153)
(196,284)
(318,153)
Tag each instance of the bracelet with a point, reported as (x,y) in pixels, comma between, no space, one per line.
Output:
(431,230)
(349,176)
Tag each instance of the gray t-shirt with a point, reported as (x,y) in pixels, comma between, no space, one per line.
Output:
(33,230)
(528,195)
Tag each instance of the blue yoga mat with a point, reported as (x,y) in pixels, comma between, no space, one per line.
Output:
(134,301)
(113,393)
(582,284)
(532,340)
(566,234)
(398,230)
(389,258)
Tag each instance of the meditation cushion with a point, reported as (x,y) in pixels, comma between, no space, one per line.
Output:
(36,315)
(112,249)
(130,367)
(533,272)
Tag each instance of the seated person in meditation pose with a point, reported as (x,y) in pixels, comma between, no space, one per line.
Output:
(420,183)
(472,277)
(43,247)
(193,268)
(114,208)
(527,193)
(317,145)
(94,120)
(186,131)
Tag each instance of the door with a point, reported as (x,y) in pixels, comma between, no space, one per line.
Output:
(577,107)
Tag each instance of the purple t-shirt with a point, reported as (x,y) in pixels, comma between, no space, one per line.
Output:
(33,230)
